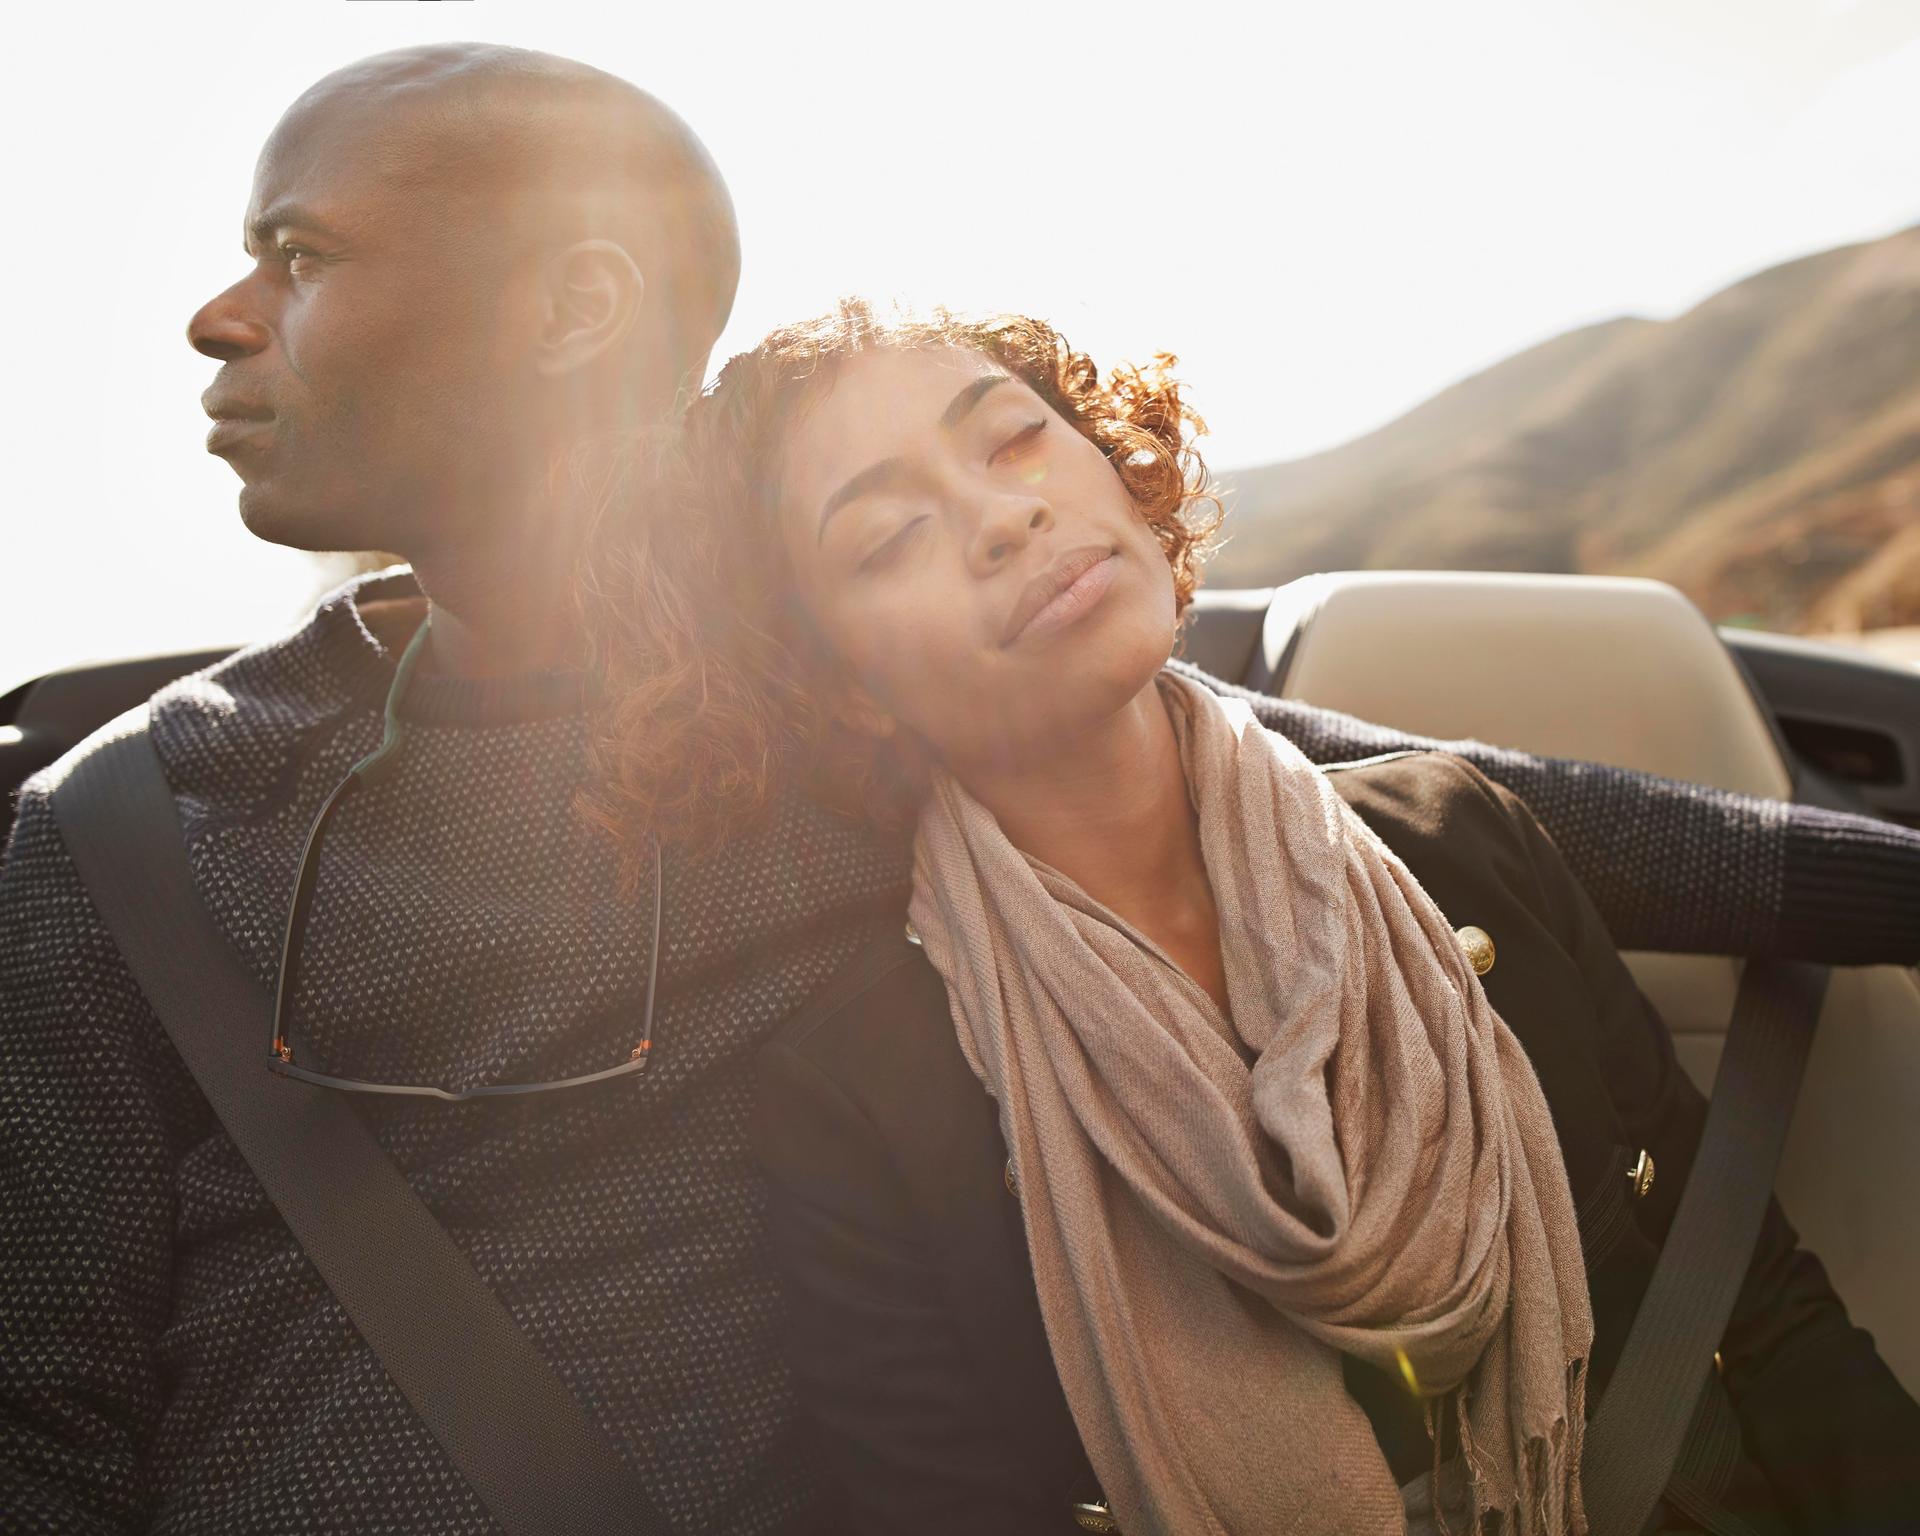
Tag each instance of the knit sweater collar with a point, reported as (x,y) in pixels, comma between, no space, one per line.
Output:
(362,664)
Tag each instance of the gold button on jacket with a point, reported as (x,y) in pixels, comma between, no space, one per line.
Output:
(1478,944)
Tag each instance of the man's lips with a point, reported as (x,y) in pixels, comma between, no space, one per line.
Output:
(234,421)
(232,432)
(1062,593)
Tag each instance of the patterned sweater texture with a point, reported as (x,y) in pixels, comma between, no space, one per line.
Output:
(171,1362)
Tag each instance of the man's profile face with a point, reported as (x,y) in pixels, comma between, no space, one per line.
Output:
(375,358)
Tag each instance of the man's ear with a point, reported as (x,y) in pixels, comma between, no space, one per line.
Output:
(593,293)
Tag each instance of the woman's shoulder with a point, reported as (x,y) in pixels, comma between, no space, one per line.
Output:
(886,1013)
(858,1015)
(1426,793)
(1450,824)
(868,1104)
(867,1085)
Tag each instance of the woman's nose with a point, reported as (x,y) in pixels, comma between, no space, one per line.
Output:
(223,329)
(1006,527)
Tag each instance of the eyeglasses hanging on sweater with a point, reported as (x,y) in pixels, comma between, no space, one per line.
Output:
(281,1056)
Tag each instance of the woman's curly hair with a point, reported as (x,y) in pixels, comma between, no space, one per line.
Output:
(714,680)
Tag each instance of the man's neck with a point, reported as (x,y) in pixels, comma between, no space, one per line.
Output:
(508,603)
(501,613)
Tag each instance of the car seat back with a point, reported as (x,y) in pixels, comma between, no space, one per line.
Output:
(48,716)
(1628,672)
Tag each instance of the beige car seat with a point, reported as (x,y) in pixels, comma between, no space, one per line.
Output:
(1629,672)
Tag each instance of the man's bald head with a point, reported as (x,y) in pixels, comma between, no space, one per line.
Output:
(554,151)
(468,260)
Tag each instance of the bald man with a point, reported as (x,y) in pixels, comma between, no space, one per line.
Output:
(474,275)
(469,264)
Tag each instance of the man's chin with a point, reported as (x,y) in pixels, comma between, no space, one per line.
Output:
(292,522)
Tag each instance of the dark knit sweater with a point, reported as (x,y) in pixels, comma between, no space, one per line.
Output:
(168,1358)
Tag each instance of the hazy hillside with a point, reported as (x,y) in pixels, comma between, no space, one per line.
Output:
(1762,452)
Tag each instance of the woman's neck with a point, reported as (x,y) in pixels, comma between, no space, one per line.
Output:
(1110,810)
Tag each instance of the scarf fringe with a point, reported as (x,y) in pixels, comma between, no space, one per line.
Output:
(1548,1498)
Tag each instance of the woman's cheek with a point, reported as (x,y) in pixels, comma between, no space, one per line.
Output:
(897,641)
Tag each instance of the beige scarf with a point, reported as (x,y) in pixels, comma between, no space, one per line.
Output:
(1208,1238)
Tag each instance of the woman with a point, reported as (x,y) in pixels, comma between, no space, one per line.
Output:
(1281,1195)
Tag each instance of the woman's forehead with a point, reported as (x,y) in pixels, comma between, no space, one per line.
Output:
(880,402)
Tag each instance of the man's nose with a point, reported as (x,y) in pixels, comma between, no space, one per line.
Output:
(224,330)
(1007,524)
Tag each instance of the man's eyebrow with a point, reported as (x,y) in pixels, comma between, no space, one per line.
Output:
(875,477)
(967,399)
(259,231)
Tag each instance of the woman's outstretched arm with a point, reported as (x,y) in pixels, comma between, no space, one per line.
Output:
(1676,866)
(1835,1433)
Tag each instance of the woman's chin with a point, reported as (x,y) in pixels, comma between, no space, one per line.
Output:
(1110,663)
(1088,690)
(1062,690)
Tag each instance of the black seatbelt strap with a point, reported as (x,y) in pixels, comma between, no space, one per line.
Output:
(1634,1442)
(1709,1454)
(507,1422)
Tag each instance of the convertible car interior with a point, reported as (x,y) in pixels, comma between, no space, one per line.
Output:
(1611,669)
(1629,672)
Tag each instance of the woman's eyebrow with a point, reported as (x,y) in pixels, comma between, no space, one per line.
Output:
(877,477)
(967,399)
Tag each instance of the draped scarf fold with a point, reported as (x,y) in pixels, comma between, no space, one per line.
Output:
(1208,1237)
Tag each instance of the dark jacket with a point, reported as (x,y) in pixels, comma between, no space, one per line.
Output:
(915,1332)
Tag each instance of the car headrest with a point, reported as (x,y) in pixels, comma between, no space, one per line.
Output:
(1613,669)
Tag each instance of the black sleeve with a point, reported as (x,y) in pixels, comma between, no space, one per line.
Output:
(86,1202)
(1762,876)
(1821,1414)
(879,1362)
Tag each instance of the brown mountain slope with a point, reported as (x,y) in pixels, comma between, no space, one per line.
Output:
(1761,452)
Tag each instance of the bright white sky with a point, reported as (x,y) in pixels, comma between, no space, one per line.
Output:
(1328,211)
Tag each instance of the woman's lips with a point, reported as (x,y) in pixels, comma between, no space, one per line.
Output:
(1072,602)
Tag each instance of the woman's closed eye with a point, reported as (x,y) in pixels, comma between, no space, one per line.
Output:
(895,544)
(1022,443)
(1014,449)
